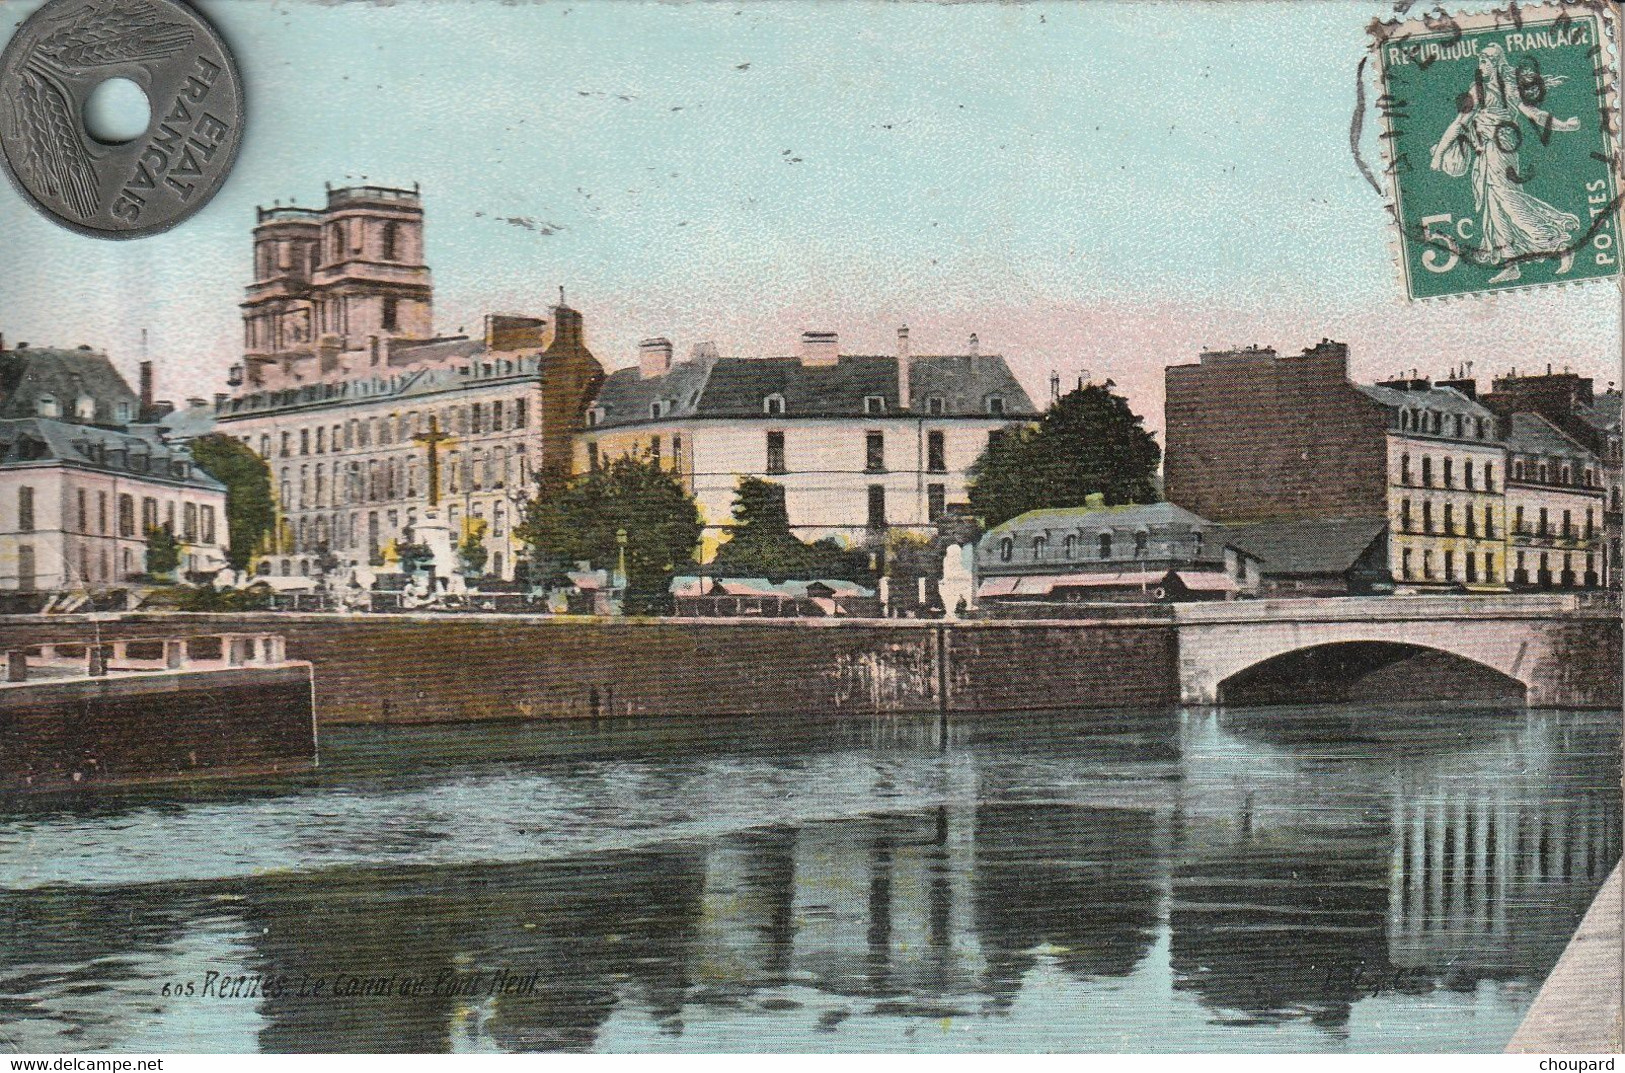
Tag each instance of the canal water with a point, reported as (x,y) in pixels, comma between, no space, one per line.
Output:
(1297,879)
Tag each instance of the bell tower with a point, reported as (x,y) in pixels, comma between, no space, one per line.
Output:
(370,278)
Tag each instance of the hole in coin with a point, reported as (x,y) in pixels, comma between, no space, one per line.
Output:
(117,111)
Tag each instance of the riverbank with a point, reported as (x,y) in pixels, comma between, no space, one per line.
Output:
(1578,1010)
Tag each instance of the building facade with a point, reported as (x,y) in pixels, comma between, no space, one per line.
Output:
(1157,552)
(77,503)
(862,444)
(1556,498)
(1446,472)
(344,388)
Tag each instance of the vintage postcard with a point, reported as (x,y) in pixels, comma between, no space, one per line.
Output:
(809,527)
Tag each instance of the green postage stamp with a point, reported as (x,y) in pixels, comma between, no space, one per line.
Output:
(1501,147)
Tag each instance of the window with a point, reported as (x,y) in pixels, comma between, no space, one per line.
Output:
(656,408)
(265,446)
(654,450)
(995,405)
(874,452)
(520,406)
(1472,567)
(1449,565)
(773,405)
(392,314)
(1449,518)
(1007,550)
(84,408)
(25,509)
(46,406)
(1568,524)
(126,516)
(1460,427)
(877,506)
(1427,471)
(775,452)
(1517,521)
(1142,544)
(84,511)
(1040,546)
(936,405)
(304,441)
(1427,517)
(1405,469)
(101,513)
(208,524)
(1405,563)
(1545,523)
(1467,474)
(1105,545)
(1404,516)
(321,440)
(1427,563)
(677,452)
(874,404)
(1517,471)
(287,444)
(123,412)
(392,240)
(149,514)
(1449,473)
(1468,517)
(936,502)
(25,567)
(936,455)
(1489,566)
(189,523)
(1069,546)
(1591,520)
(476,416)
(1489,524)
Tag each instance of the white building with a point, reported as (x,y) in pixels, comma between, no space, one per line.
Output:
(342,376)
(77,502)
(862,444)
(1556,497)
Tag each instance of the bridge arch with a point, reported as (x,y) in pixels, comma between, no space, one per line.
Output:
(1367,670)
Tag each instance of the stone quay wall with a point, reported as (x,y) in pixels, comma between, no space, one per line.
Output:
(403,669)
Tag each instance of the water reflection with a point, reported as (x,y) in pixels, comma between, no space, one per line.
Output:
(1152,882)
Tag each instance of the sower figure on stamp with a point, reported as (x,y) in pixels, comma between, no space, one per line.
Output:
(1513,224)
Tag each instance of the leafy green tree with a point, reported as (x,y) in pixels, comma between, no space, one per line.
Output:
(163,552)
(762,545)
(413,557)
(1088,441)
(472,554)
(250,511)
(579,521)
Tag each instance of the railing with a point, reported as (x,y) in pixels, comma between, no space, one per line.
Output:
(145,655)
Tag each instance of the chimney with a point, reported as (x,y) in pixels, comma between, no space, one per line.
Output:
(904,362)
(654,357)
(974,348)
(820,348)
(194,401)
(219,400)
(146,391)
(566,327)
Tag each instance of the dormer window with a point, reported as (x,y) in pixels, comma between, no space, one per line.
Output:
(995,405)
(1007,549)
(84,408)
(874,404)
(123,411)
(936,405)
(47,407)
(773,405)
(595,417)
(657,408)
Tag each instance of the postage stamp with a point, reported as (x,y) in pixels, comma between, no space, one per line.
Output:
(1501,147)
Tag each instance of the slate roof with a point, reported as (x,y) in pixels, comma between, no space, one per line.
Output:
(1127,516)
(186,425)
(737,387)
(28,373)
(1309,547)
(1604,412)
(1532,434)
(1443,399)
(30,441)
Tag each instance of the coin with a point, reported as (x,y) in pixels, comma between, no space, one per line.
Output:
(149,184)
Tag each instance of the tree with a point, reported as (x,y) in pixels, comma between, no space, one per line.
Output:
(762,545)
(163,552)
(250,512)
(472,554)
(1088,441)
(579,520)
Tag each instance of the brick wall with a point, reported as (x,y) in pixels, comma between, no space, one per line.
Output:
(1253,436)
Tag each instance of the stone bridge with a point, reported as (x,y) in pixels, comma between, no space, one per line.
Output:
(1549,651)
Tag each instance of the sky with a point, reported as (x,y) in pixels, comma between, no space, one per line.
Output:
(1102,188)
